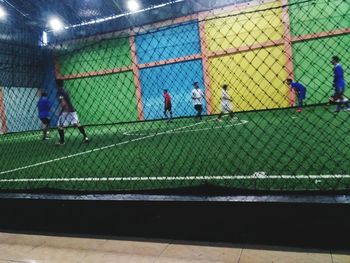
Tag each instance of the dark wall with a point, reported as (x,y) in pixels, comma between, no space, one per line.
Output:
(21,60)
(291,224)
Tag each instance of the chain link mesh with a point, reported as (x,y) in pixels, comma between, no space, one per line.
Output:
(198,100)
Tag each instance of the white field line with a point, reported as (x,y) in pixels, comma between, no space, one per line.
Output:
(257,176)
(241,122)
(96,149)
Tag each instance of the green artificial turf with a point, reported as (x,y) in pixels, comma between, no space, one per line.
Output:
(242,154)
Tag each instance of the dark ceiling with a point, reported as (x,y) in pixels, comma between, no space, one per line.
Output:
(74,11)
(37,12)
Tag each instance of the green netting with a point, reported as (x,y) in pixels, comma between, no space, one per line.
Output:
(232,119)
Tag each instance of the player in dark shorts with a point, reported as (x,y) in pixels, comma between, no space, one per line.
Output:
(167,106)
(68,114)
(44,107)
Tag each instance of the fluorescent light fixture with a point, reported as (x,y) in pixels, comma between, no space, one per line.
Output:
(133,5)
(104,19)
(2,13)
(56,24)
(45,40)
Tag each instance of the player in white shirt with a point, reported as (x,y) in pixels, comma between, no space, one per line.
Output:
(197,96)
(226,101)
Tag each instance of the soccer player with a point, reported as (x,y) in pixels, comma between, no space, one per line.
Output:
(300,91)
(225,103)
(167,106)
(339,85)
(197,96)
(44,107)
(68,114)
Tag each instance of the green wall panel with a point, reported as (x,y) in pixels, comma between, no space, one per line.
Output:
(93,56)
(104,99)
(318,16)
(313,68)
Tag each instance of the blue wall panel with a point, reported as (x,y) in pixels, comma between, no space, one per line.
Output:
(172,42)
(21,109)
(178,78)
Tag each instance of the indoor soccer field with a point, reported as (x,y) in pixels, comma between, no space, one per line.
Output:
(280,150)
(144,89)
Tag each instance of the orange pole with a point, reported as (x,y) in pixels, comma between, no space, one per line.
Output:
(336,32)
(136,71)
(235,50)
(205,65)
(96,73)
(170,61)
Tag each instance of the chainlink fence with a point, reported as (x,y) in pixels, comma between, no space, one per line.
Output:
(197,100)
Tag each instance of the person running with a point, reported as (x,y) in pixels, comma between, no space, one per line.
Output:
(68,114)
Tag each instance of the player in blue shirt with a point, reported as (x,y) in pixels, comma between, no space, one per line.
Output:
(300,92)
(44,107)
(339,85)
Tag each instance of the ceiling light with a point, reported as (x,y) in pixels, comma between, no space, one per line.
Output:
(133,5)
(2,13)
(56,24)
(44,39)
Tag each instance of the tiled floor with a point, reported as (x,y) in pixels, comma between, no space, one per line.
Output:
(16,248)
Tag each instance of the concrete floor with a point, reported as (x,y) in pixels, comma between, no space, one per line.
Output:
(19,248)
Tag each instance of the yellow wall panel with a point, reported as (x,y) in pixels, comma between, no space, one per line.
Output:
(236,29)
(255,78)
